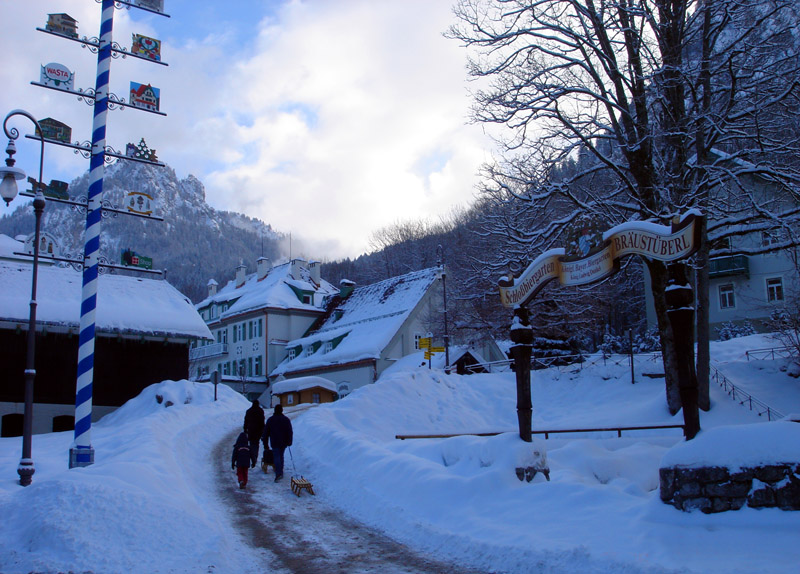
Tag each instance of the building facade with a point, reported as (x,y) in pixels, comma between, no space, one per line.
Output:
(253,317)
(143,331)
(366,330)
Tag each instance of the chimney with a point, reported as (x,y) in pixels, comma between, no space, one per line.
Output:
(212,287)
(346,288)
(294,269)
(240,274)
(314,267)
(263,267)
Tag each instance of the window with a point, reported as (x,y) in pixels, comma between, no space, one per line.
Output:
(769,238)
(250,327)
(774,289)
(721,244)
(726,297)
(224,335)
(417,337)
(235,333)
(257,366)
(307,299)
(291,354)
(290,399)
(260,327)
(328,347)
(343,389)
(315,398)
(249,366)
(226,368)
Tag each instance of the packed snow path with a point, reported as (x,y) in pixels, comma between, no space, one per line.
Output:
(301,535)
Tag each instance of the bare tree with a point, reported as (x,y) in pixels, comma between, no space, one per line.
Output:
(658,106)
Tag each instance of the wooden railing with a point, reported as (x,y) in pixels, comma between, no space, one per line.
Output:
(546,433)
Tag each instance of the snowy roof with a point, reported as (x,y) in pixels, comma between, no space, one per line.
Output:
(274,291)
(301,384)
(124,304)
(363,324)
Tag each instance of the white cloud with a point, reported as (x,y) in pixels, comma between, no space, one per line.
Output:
(331,120)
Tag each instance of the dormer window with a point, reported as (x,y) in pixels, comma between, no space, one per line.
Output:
(328,347)
(291,354)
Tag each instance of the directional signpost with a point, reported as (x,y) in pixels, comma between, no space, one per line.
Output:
(427,344)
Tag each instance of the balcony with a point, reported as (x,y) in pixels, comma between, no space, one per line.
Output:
(727,266)
(207,351)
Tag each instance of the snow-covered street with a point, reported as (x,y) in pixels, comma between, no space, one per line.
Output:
(161,497)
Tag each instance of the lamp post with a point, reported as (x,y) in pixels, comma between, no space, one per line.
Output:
(443,277)
(8,190)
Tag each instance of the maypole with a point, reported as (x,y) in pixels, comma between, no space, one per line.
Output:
(82,453)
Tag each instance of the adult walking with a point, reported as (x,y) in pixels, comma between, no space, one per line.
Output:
(254,426)
(278,431)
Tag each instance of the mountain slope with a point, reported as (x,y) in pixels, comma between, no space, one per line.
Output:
(194,243)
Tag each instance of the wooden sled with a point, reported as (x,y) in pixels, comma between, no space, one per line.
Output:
(300,483)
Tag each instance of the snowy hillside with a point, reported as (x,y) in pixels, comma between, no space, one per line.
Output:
(194,243)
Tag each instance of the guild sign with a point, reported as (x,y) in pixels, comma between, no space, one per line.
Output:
(57,76)
(132,259)
(155,5)
(642,238)
(145,96)
(63,24)
(55,130)
(139,202)
(146,47)
(48,246)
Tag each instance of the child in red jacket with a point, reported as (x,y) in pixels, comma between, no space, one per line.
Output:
(241,458)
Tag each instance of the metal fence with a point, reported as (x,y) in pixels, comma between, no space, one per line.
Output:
(580,360)
(744,398)
(772,354)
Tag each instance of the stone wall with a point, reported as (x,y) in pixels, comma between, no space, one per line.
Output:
(717,489)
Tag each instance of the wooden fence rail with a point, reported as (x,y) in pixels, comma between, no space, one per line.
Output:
(546,433)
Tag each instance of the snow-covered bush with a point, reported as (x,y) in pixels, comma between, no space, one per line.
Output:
(647,342)
(730,330)
(785,326)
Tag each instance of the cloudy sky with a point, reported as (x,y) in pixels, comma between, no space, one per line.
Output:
(328,119)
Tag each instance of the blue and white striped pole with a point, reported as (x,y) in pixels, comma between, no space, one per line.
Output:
(82,453)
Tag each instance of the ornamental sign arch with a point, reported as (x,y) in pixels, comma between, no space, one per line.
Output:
(595,255)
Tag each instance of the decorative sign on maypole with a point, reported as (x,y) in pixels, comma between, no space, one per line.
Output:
(55,75)
(146,47)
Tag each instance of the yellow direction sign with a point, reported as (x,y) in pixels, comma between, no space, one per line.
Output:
(427,355)
(437,349)
(425,343)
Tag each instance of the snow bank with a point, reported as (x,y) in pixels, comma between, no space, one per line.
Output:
(138,508)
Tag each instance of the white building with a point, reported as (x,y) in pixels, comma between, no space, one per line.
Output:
(366,331)
(253,317)
(745,285)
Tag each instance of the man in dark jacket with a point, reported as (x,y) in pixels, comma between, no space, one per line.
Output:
(278,431)
(254,426)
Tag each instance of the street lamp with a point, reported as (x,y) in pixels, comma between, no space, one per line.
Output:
(443,277)
(8,191)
